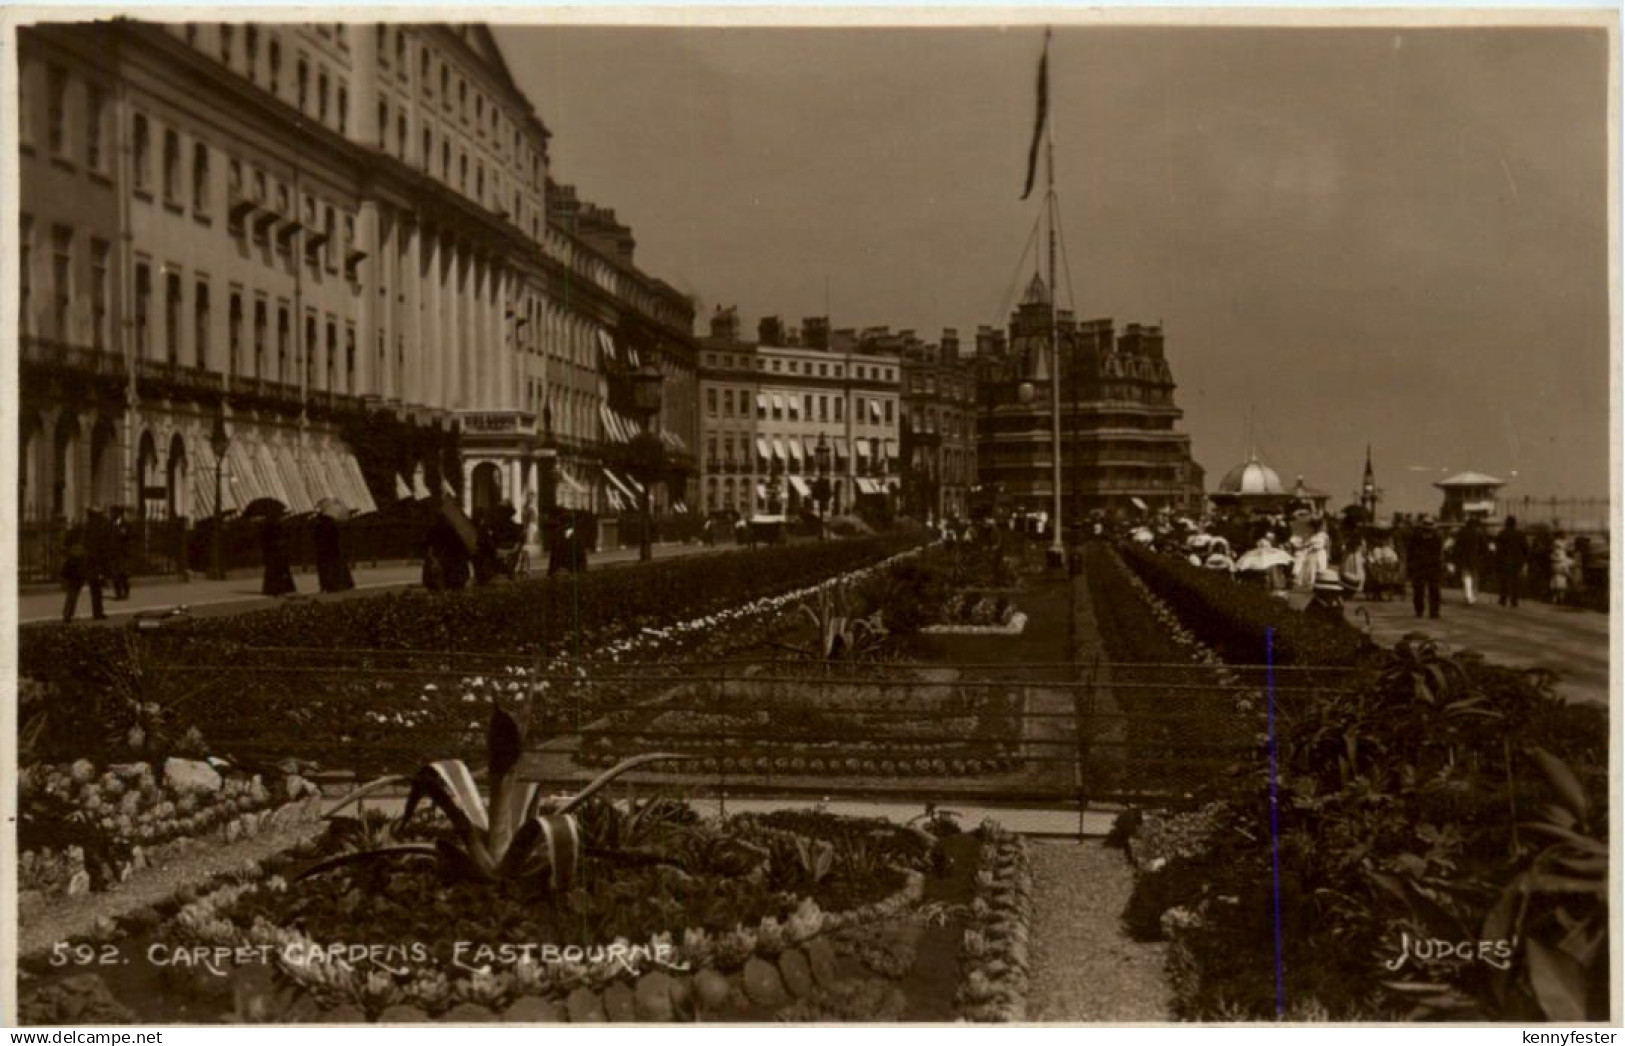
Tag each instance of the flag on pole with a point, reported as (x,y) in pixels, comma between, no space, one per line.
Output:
(1038,123)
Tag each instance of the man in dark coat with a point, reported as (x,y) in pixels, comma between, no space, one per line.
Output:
(84,563)
(1511,554)
(1469,556)
(1424,565)
(120,539)
(446,562)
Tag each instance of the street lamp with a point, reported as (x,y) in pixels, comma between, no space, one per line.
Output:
(220,443)
(821,486)
(646,382)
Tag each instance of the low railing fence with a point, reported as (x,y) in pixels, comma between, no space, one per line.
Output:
(1053,735)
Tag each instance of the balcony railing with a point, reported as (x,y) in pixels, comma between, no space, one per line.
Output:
(497,422)
(49,354)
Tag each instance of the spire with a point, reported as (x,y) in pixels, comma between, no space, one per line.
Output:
(1037,293)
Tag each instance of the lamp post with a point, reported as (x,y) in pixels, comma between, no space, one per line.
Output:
(821,489)
(646,382)
(220,443)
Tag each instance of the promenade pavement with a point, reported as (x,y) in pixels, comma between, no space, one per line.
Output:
(1572,643)
(241,592)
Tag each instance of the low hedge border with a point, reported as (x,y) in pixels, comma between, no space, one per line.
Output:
(1234,618)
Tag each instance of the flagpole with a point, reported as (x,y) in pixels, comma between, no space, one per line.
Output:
(1057,544)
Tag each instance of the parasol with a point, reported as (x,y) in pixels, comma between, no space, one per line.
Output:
(1199,540)
(1263,559)
(267,507)
(1144,536)
(333,509)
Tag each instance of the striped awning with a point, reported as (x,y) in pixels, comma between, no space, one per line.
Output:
(625,486)
(801,486)
(778,402)
(617,500)
(891,448)
(402,491)
(762,449)
(761,402)
(420,489)
(796,448)
(761,491)
(606,348)
(863,447)
(778,449)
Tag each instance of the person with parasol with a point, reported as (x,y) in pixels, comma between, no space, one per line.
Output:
(332,569)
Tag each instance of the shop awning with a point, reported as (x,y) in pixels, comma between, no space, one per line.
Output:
(863,447)
(402,491)
(762,449)
(761,491)
(869,486)
(420,489)
(778,449)
(891,448)
(606,348)
(761,402)
(874,410)
(617,500)
(778,402)
(801,486)
(796,448)
(618,483)
(570,482)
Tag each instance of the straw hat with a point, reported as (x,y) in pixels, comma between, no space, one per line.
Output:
(1329,581)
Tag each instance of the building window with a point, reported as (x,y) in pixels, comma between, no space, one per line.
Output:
(172,318)
(260,326)
(200,178)
(100,258)
(344,110)
(225,43)
(200,325)
(479,182)
(251,48)
(462,100)
(234,333)
(332,354)
(462,172)
(61,278)
(142,150)
(445,85)
(424,68)
(807,407)
(275,56)
(311,349)
(400,135)
(888,409)
(445,162)
(172,167)
(56,126)
(321,96)
(840,409)
(283,333)
(823,408)
(711,402)
(400,51)
(302,84)
(383,121)
(96,129)
(143,308)
(428,148)
(349,360)
(727,403)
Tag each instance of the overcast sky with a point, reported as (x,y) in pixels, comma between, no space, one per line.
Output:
(1361,235)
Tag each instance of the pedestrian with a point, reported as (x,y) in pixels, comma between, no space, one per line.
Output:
(1559,593)
(1511,556)
(82,565)
(1424,565)
(1354,564)
(1326,599)
(332,570)
(445,557)
(278,578)
(1469,557)
(120,539)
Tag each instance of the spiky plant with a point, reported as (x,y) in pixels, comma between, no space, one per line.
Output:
(516,836)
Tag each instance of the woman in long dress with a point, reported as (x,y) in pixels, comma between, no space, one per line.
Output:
(332,570)
(274,555)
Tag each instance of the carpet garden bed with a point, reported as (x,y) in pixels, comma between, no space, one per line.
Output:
(797,915)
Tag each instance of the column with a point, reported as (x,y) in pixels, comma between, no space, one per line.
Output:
(372,282)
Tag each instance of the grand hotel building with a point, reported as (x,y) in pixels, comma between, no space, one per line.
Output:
(339,245)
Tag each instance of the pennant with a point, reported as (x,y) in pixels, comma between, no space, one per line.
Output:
(1043,114)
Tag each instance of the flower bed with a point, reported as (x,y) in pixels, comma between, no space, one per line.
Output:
(1394,828)
(97,674)
(783,727)
(994,949)
(82,828)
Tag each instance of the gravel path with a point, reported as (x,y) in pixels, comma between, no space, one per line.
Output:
(1084,968)
(65,918)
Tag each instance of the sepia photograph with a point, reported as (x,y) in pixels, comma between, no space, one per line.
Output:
(795,516)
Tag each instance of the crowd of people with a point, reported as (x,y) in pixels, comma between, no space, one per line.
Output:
(1334,559)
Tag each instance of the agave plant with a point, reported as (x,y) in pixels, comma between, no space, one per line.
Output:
(841,634)
(516,836)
